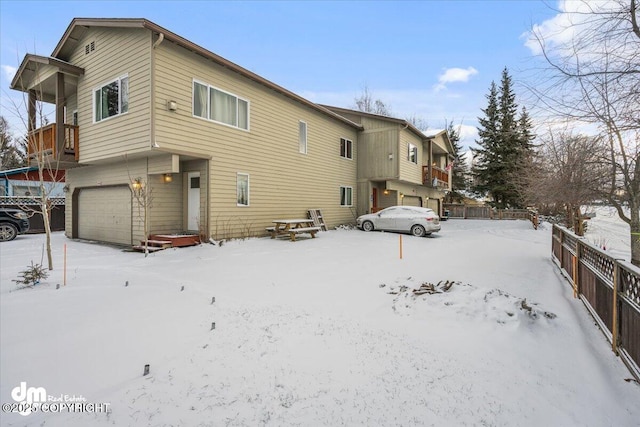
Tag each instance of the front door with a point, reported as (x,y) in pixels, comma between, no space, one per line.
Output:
(193,201)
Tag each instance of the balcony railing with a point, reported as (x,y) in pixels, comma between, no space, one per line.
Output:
(439,177)
(43,140)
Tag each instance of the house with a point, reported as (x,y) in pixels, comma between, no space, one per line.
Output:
(219,150)
(398,164)
(159,135)
(25,182)
(20,189)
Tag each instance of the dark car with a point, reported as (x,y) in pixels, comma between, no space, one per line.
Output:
(12,223)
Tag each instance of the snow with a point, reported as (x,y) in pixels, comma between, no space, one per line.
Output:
(607,231)
(323,331)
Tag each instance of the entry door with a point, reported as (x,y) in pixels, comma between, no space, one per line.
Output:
(193,200)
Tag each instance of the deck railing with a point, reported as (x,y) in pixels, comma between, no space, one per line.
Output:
(608,287)
(438,178)
(43,140)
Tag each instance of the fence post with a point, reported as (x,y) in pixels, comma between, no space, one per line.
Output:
(615,324)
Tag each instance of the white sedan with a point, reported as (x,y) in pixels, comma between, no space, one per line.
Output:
(406,219)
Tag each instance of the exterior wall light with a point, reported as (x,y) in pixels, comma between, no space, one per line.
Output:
(386,192)
(172,105)
(167,178)
(136,184)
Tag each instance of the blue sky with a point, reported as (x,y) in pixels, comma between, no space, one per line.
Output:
(431,59)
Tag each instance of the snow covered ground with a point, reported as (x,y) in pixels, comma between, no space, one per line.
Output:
(607,231)
(323,331)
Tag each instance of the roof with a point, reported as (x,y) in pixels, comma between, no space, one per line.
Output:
(402,122)
(31,64)
(8,172)
(78,26)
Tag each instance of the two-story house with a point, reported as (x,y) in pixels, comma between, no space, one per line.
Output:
(157,132)
(398,164)
(217,149)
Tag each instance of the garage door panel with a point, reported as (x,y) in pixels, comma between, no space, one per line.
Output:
(104,214)
(411,201)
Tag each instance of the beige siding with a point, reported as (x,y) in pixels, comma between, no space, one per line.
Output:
(117,52)
(166,205)
(409,171)
(378,154)
(283,182)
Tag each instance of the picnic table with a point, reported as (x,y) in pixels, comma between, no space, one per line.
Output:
(292,227)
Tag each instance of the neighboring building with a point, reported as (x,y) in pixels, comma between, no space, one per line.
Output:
(398,164)
(25,182)
(220,150)
(20,189)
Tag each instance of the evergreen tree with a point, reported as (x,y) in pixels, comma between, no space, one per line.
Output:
(505,147)
(459,170)
(11,153)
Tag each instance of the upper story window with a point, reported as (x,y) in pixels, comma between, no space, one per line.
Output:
(346,148)
(220,106)
(413,154)
(111,99)
(302,137)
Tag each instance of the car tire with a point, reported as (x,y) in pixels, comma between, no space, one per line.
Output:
(418,231)
(367,226)
(7,232)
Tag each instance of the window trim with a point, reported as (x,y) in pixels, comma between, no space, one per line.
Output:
(208,106)
(348,143)
(350,192)
(120,112)
(411,149)
(306,137)
(238,174)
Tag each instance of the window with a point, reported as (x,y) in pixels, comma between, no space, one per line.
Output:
(346,148)
(242,187)
(302,137)
(346,196)
(222,107)
(413,154)
(111,99)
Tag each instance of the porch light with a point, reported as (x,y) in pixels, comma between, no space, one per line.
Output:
(385,192)
(136,184)
(167,178)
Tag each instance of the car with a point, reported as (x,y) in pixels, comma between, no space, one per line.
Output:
(404,219)
(12,223)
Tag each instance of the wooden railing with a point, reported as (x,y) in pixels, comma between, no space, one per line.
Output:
(608,287)
(439,177)
(43,140)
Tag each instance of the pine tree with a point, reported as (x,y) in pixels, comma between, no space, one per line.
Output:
(459,170)
(505,145)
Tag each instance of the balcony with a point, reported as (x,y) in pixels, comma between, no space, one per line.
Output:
(439,177)
(43,142)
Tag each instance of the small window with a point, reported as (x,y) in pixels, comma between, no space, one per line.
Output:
(194,182)
(302,137)
(346,148)
(346,196)
(413,154)
(242,187)
(111,99)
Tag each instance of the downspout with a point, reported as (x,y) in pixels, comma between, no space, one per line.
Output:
(152,115)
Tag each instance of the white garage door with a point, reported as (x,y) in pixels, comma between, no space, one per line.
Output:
(411,201)
(104,214)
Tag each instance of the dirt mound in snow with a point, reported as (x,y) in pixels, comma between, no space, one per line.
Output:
(449,297)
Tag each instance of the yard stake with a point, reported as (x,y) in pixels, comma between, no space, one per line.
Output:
(64,269)
(400,245)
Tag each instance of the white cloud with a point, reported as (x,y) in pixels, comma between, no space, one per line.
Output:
(9,71)
(453,75)
(562,28)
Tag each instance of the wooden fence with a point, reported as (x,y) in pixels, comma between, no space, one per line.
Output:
(608,287)
(457,210)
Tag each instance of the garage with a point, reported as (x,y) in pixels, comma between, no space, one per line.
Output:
(412,201)
(104,214)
